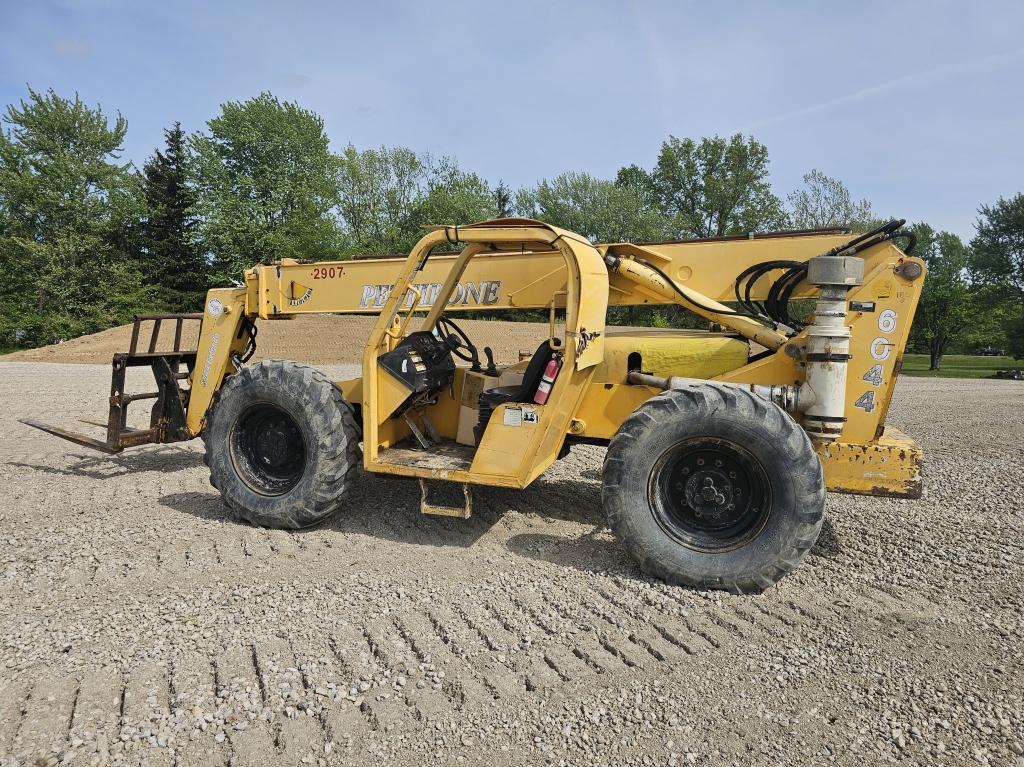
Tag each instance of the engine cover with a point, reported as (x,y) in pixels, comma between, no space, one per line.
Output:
(421,361)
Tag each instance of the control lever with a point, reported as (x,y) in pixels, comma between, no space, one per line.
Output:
(492,369)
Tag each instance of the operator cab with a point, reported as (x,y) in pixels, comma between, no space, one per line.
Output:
(424,362)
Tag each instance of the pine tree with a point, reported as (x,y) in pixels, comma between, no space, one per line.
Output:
(173,262)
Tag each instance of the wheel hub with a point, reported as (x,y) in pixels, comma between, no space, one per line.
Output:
(275,442)
(268,449)
(709,493)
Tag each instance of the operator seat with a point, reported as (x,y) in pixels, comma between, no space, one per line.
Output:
(522,392)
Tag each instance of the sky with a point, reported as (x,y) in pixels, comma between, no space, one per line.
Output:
(916,106)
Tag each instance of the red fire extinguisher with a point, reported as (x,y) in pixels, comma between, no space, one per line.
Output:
(546,380)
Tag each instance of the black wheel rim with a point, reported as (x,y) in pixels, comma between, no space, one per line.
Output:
(268,449)
(709,494)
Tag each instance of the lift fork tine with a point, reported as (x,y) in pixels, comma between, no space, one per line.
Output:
(167,419)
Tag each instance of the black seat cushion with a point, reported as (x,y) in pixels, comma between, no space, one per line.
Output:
(491,398)
(524,391)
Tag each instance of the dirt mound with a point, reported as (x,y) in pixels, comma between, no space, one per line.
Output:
(317,339)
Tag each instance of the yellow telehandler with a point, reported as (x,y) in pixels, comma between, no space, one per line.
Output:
(720,443)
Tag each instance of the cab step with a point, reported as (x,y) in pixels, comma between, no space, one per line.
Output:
(463,511)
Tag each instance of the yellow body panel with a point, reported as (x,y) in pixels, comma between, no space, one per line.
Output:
(219,340)
(890,465)
(690,353)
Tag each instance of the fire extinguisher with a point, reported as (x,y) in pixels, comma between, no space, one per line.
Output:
(546,380)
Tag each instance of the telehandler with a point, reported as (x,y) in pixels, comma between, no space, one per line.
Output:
(720,443)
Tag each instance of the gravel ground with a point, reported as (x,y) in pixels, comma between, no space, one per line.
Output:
(140,625)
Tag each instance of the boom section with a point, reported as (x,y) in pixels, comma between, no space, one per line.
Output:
(499,278)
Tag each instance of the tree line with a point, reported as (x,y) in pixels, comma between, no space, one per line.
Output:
(87,240)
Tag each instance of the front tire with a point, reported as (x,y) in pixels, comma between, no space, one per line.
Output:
(282,445)
(714,487)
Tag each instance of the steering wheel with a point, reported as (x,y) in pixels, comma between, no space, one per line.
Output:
(459,342)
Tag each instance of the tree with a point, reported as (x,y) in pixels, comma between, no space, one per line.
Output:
(173,262)
(716,187)
(998,246)
(265,185)
(825,203)
(998,263)
(503,202)
(598,209)
(639,180)
(69,208)
(951,309)
(377,190)
(1015,336)
(452,196)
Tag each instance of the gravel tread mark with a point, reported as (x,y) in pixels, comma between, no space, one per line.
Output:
(629,516)
(237,681)
(728,629)
(529,664)
(617,640)
(171,557)
(543,623)
(496,641)
(859,580)
(763,623)
(144,708)
(429,705)
(201,555)
(13,697)
(734,614)
(778,611)
(621,650)
(193,686)
(465,688)
(565,663)
(349,645)
(387,700)
(283,543)
(882,658)
(47,717)
(256,545)
(344,724)
(650,640)
(511,626)
(322,490)
(481,650)
(298,733)
(808,613)
(676,616)
(584,644)
(231,553)
(97,709)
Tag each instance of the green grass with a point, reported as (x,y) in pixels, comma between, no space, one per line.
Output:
(958,366)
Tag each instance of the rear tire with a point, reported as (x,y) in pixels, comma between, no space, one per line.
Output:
(282,445)
(714,487)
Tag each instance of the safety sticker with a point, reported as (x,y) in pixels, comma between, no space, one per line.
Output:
(517,416)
